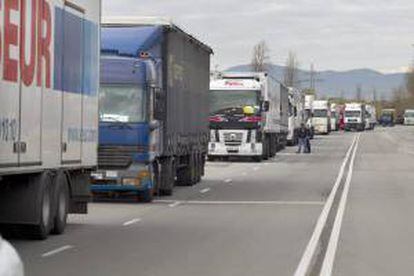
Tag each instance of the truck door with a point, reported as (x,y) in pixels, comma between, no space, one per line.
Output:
(72,79)
(30,90)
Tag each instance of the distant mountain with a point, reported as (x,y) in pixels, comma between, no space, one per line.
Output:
(337,83)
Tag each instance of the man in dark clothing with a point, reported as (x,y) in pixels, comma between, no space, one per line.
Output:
(303,136)
(307,141)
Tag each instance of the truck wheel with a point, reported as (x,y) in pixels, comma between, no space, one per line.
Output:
(44,202)
(167,177)
(203,165)
(186,176)
(61,204)
(266,148)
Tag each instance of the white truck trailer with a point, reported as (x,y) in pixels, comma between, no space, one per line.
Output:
(48,111)
(308,112)
(355,116)
(409,117)
(370,117)
(248,116)
(321,120)
(296,114)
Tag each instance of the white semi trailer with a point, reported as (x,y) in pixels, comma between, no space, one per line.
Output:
(355,116)
(321,119)
(248,116)
(296,114)
(48,111)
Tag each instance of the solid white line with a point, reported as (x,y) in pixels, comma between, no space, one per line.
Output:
(57,250)
(329,260)
(203,191)
(132,221)
(229,180)
(175,204)
(206,202)
(312,245)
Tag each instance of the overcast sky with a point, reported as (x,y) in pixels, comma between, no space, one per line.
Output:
(334,34)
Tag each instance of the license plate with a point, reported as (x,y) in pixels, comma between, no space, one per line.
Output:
(233,149)
(112,174)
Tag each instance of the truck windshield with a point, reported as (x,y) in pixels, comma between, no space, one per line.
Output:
(320,113)
(409,114)
(122,103)
(221,100)
(352,114)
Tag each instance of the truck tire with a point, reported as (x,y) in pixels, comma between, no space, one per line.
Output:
(186,176)
(61,203)
(167,177)
(44,224)
(266,145)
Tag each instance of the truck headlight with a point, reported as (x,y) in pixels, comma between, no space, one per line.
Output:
(131,181)
(141,176)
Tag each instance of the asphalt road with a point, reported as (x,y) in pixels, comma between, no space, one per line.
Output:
(257,218)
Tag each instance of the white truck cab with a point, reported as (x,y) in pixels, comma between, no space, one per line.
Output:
(409,117)
(248,116)
(355,116)
(321,120)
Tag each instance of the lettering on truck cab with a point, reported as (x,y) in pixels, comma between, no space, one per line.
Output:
(26,26)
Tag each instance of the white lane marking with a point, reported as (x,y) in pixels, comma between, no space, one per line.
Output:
(312,245)
(229,180)
(175,204)
(203,191)
(206,202)
(132,221)
(255,168)
(56,251)
(329,260)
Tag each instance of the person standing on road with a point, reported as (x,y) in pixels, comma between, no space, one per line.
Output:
(302,135)
(308,147)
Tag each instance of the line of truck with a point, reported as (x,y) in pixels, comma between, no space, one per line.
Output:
(126,106)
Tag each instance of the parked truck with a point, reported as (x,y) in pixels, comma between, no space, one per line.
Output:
(296,114)
(248,116)
(153,108)
(48,111)
(409,117)
(308,113)
(321,119)
(370,117)
(355,116)
(388,117)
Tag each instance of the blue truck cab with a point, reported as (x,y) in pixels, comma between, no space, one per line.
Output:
(128,140)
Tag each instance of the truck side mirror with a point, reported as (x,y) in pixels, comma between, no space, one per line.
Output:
(265,106)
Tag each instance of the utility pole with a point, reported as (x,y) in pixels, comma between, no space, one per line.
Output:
(312,77)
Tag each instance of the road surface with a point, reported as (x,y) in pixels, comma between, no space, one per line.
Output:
(346,209)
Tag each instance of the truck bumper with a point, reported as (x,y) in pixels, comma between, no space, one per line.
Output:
(321,129)
(115,187)
(354,126)
(247,149)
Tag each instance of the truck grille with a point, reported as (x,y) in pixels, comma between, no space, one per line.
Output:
(233,138)
(117,157)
